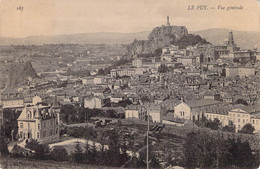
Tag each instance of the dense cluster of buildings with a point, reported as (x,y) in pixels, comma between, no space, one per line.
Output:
(178,87)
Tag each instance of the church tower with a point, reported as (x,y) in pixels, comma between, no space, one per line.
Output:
(168,22)
(56,108)
(230,39)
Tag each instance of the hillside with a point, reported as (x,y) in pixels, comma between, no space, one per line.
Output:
(20,73)
(83,38)
(246,40)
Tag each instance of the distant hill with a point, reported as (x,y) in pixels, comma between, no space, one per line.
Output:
(245,40)
(83,38)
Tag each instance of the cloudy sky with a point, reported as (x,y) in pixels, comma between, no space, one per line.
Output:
(54,17)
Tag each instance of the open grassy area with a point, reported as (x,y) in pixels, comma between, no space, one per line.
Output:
(23,163)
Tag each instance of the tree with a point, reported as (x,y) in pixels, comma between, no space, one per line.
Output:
(191,150)
(93,155)
(3,147)
(163,68)
(101,72)
(87,152)
(247,129)
(158,51)
(230,127)
(78,155)
(41,150)
(241,101)
(208,150)
(59,154)
(241,154)
(214,125)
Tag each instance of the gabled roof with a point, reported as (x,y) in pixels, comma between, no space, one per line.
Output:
(201,102)
(55,103)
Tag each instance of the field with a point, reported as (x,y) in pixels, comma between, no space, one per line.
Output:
(23,163)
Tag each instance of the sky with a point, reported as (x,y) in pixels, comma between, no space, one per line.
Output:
(56,17)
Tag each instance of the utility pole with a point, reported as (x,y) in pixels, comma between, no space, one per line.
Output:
(147,142)
(147,139)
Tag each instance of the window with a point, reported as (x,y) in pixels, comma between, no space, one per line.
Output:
(21,125)
(253,121)
(38,126)
(243,120)
(44,134)
(51,123)
(44,124)
(38,135)
(238,120)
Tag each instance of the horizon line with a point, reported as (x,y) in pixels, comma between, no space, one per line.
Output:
(126,32)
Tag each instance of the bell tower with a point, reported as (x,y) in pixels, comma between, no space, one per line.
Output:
(168,22)
(230,39)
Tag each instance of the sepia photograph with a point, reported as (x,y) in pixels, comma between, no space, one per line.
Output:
(113,84)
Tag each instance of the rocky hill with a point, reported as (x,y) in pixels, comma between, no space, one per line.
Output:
(164,36)
(20,73)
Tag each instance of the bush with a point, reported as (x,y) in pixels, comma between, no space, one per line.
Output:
(230,127)
(247,129)
(78,153)
(3,147)
(59,154)
(41,150)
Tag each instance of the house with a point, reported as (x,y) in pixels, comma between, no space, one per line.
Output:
(241,71)
(40,123)
(41,99)
(155,112)
(117,98)
(137,62)
(239,116)
(122,72)
(12,98)
(194,109)
(135,112)
(188,61)
(93,102)
(212,96)
(255,121)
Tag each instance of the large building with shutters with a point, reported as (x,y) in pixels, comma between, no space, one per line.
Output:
(40,122)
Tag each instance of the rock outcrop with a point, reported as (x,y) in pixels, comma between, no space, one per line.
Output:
(20,73)
(159,37)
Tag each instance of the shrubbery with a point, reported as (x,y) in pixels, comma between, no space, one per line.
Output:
(205,151)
